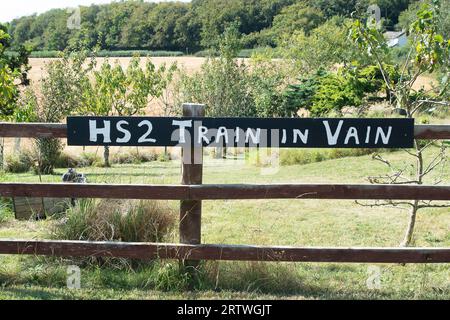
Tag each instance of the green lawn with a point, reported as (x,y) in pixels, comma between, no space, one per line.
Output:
(264,222)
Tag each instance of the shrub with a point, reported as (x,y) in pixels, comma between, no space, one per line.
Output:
(85,159)
(134,157)
(116,220)
(49,151)
(164,157)
(89,159)
(66,160)
(20,162)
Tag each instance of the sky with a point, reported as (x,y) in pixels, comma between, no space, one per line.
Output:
(17,8)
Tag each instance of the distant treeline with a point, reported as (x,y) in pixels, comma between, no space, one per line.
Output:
(185,27)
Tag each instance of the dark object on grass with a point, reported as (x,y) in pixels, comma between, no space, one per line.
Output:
(71,176)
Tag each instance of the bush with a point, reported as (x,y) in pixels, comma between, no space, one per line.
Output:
(134,157)
(66,160)
(20,162)
(89,159)
(163,157)
(49,151)
(85,159)
(116,220)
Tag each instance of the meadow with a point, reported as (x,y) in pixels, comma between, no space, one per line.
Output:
(258,222)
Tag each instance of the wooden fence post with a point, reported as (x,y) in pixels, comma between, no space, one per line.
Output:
(191,211)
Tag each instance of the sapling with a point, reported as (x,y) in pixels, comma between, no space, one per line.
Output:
(429,51)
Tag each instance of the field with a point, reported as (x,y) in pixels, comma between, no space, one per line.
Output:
(191,64)
(264,222)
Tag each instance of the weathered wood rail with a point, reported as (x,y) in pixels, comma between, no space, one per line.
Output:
(192,192)
(227,192)
(148,251)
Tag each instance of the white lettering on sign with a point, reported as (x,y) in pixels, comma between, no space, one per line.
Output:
(256,137)
(352,133)
(302,135)
(384,136)
(202,135)
(182,126)
(145,138)
(94,131)
(333,137)
(222,132)
(322,133)
(126,133)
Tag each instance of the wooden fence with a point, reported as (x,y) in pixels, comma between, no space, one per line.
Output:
(191,192)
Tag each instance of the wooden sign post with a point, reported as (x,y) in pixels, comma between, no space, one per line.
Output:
(191,211)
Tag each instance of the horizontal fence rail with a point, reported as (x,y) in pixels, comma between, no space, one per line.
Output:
(149,251)
(33,130)
(227,192)
(50,130)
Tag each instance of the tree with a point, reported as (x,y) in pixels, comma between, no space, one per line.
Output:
(342,8)
(61,94)
(325,92)
(391,10)
(326,46)
(115,91)
(222,83)
(297,17)
(13,68)
(8,90)
(429,51)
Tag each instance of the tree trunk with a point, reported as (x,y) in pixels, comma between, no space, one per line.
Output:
(415,205)
(106,157)
(412,222)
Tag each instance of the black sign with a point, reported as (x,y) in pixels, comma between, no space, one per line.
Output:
(240,132)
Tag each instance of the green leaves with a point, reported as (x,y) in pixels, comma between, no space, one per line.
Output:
(115,91)
(10,73)
(429,49)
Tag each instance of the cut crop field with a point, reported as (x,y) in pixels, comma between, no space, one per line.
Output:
(190,64)
(257,222)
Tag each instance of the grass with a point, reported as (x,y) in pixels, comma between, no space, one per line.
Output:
(263,222)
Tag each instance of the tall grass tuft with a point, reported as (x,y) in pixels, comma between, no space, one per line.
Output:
(20,162)
(116,220)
